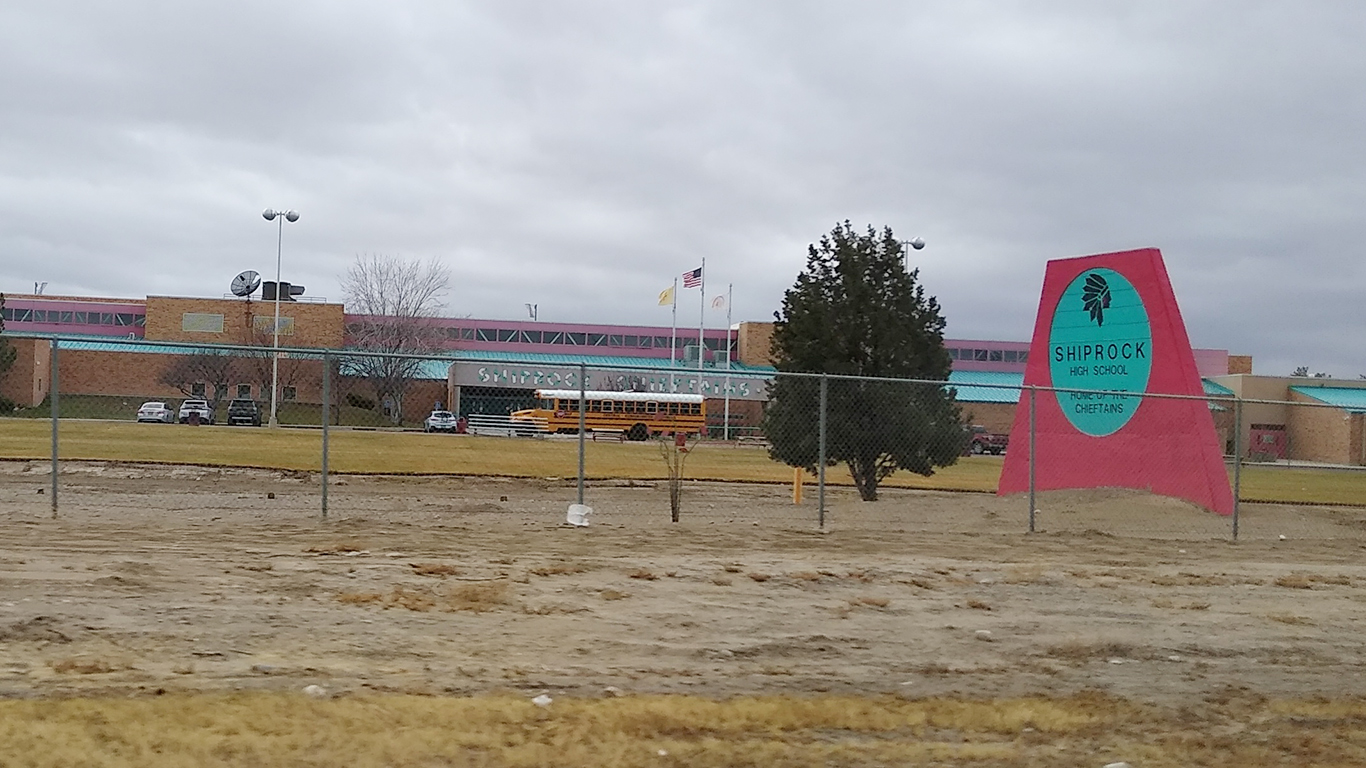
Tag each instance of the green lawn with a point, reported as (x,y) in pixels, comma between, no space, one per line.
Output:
(389,452)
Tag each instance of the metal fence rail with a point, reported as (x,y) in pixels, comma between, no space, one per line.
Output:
(882,453)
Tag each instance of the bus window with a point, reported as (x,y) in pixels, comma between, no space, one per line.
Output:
(673,409)
(695,409)
(651,407)
(606,406)
(547,404)
(594,406)
(571,405)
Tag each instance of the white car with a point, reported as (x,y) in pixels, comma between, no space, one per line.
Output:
(440,421)
(155,411)
(196,406)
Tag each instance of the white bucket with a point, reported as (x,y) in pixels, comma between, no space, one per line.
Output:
(578,514)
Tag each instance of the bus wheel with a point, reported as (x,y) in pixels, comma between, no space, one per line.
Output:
(638,432)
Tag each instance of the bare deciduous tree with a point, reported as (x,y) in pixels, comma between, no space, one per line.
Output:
(395,300)
(214,370)
(675,454)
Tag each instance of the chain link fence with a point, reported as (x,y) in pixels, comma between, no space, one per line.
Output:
(798,450)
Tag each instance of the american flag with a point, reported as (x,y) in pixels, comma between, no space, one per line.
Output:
(692,279)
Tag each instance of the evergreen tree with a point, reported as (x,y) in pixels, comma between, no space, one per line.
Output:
(857,311)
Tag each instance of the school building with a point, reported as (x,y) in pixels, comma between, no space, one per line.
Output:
(122,347)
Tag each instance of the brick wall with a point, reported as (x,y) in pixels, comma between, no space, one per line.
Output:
(315,325)
(1318,434)
(754,343)
(27,381)
(1240,364)
(996,417)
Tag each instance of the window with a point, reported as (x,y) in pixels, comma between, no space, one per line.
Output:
(67,317)
(467,334)
(288,393)
(1024,357)
(197,389)
(531,337)
(979,355)
(953,353)
(630,341)
(23,315)
(606,406)
(244,390)
(1010,355)
(548,337)
(79,318)
(123,318)
(614,341)
(203,322)
(597,339)
(651,407)
(264,324)
(661,342)
(506,335)
(40,315)
(673,409)
(995,355)
(452,333)
(577,339)
(486,334)
(594,406)
(7,314)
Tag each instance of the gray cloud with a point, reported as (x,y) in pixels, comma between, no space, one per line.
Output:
(579,155)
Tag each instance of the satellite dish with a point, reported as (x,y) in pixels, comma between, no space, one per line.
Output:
(246,283)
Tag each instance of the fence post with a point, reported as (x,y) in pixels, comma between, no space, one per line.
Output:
(1237,460)
(583,373)
(820,462)
(53,396)
(327,418)
(1033,391)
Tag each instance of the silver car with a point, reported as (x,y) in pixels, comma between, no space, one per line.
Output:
(155,411)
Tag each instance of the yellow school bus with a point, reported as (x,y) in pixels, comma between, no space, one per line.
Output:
(637,415)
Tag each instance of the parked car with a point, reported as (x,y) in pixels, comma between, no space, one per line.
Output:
(981,441)
(244,411)
(200,407)
(155,411)
(441,421)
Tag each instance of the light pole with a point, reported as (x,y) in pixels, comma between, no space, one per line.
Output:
(270,215)
(917,243)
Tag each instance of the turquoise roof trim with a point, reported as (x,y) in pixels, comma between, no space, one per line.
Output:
(1350,399)
(1215,389)
(1001,387)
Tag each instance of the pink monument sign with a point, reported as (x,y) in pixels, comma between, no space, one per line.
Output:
(1108,332)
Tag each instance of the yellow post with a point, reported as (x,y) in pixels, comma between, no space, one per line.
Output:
(797,485)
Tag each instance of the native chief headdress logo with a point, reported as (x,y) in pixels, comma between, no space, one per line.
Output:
(1095,297)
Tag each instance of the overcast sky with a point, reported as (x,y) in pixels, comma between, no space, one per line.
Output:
(579,155)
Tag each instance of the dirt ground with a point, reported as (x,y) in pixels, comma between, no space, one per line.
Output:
(191,579)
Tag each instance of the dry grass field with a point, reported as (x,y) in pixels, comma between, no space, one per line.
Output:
(378,452)
(174,615)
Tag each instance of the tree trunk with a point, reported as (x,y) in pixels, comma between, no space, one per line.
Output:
(865,478)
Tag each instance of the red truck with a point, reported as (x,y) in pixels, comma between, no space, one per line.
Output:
(981,441)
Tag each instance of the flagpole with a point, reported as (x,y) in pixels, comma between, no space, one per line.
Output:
(702,323)
(730,294)
(673,341)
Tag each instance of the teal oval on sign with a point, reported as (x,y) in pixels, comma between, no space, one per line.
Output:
(1100,340)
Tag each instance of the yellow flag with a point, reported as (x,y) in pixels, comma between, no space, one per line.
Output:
(666,296)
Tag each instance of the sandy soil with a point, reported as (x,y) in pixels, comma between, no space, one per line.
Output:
(198,579)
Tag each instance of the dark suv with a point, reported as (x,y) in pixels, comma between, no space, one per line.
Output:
(244,411)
